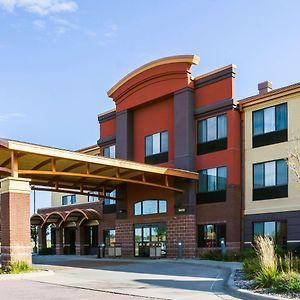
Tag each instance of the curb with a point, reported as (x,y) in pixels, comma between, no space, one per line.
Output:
(230,286)
(26,275)
(246,294)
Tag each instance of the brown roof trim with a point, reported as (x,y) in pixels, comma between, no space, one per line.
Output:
(219,106)
(107,140)
(106,116)
(216,75)
(260,98)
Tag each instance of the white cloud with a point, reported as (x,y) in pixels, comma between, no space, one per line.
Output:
(112,30)
(61,26)
(39,24)
(40,7)
(9,116)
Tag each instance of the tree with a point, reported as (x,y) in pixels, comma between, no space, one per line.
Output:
(34,236)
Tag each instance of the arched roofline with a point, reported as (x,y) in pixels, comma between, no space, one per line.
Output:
(54,213)
(35,216)
(190,59)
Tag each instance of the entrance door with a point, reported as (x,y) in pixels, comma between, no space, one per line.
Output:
(70,239)
(90,240)
(146,234)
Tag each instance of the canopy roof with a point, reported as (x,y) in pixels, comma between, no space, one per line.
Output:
(64,170)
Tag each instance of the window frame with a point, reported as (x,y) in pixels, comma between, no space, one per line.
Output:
(110,147)
(279,135)
(218,228)
(272,191)
(160,143)
(278,223)
(275,118)
(217,129)
(105,237)
(276,173)
(158,204)
(217,179)
(72,198)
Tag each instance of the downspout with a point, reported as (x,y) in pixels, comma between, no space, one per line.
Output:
(242,139)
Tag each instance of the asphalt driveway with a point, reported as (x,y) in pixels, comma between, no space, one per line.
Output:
(90,278)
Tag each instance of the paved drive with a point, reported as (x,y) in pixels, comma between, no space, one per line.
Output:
(89,278)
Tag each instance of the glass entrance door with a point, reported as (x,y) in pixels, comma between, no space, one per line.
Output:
(144,235)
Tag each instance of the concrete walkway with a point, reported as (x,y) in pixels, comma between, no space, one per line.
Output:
(121,278)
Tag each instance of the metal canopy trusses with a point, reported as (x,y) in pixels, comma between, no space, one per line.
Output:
(63,170)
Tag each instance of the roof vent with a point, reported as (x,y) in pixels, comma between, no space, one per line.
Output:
(264,87)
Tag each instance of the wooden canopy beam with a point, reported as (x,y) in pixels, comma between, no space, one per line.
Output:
(91,176)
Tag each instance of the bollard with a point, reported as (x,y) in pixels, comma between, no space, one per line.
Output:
(180,249)
(223,246)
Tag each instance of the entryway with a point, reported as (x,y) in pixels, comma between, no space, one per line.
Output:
(147,235)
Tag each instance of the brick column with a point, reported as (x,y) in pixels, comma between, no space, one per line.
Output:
(79,241)
(41,237)
(124,236)
(59,241)
(15,219)
(182,228)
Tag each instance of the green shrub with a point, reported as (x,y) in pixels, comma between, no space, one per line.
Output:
(217,255)
(18,267)
(251,267)
(212,255)
(280,251)
(289,263)
(296,251)
(45,251)
(287,283)
(265,277)
(248,253)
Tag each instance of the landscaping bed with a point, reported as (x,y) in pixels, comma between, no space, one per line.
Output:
(270,271)
(242,282)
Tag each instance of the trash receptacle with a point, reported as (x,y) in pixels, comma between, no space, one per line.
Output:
(101,251)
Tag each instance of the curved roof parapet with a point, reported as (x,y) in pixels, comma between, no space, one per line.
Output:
(189,59)
(37,219)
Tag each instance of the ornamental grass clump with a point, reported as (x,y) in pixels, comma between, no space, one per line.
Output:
(268,262)
(17,268)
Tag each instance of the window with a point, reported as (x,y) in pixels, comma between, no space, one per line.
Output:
(212,185)
(93,196)
(110,198)
(209,236)
(110,151)
(211,180)
(109,237)
(156,148)
(212,134)
(270,180)
(270,125)
(277,230)
(68,199)
(150,207)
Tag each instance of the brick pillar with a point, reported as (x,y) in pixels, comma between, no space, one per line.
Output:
(42,237)
(79,240)
(182,228)
(15,219)
(124,236)
(59,241)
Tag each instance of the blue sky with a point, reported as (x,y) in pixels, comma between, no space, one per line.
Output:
(58,58)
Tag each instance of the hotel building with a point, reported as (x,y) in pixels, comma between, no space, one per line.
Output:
(229,160)
(163,117)
(270,130)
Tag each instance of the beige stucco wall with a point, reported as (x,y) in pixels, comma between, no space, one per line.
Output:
(56,199)
(272,152)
